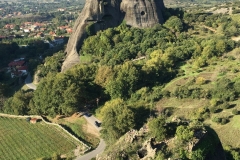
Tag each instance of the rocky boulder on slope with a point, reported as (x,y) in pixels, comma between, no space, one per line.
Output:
(103,14)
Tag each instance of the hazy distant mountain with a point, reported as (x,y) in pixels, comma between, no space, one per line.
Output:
(40,0)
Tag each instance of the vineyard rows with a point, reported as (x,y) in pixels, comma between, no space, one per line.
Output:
(22,140)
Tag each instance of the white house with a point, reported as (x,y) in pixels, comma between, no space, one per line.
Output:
(26,30)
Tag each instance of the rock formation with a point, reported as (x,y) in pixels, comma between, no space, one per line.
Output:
(103,14)
(147,151)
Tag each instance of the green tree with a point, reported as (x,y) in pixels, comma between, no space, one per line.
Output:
(157,129)
(197,155)
(174,23)
(19,103)
(124,82)
(103,75)
(184,133)
(65,93)
(117,118)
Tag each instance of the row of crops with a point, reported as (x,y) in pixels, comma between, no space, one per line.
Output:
(22,140)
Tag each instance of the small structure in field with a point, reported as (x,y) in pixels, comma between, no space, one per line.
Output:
(34,120)
(28,119)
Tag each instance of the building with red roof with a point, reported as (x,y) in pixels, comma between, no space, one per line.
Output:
(33,120)
(18,68)
(16,63)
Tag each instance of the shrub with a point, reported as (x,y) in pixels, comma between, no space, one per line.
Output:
(206,115)
(216,120)
(166,93)
(235,111)
(225,105)
(231,58)
(214,102)
(184,134)
(213,109)
(221,121)
(200,80)
(224,121)
(234,70)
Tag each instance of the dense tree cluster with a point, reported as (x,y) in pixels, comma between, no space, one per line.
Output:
(65,93)
(118,118)
(52,64)
(19,104)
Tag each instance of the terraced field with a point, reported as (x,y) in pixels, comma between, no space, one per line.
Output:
(22,140)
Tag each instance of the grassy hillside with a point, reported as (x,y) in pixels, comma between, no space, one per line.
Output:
(188,107)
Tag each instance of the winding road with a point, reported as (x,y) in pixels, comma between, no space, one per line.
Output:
(90,119)
(28,82)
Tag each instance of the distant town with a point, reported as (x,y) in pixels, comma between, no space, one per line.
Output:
(38,19)
(32,30)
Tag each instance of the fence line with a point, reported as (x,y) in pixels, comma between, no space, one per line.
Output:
(49,123)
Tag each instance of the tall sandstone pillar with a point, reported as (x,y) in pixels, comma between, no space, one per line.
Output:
(110,13)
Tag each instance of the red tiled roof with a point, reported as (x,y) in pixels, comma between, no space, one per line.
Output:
(22,68)
(16,63)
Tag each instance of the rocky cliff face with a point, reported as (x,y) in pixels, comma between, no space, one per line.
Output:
(103,14)
(142,13)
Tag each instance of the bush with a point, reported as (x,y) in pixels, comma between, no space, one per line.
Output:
(224,121)
(225,105)
(166,93)
(213,109)
(200,80)
(221,121)
(214,102)
(206,115)
(216,120)
(235,111)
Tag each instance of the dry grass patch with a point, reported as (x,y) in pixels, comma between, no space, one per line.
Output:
(181,107)
(81,128)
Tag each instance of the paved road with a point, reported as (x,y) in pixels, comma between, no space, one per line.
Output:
(28,82)
(93,153)
(91,119)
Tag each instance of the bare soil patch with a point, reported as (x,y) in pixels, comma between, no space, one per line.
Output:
(235,38)
(91,130)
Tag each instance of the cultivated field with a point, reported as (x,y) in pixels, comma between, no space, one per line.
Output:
(22,140)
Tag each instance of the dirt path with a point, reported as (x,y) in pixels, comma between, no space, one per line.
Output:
(90,129)
(230,11)
(210,28)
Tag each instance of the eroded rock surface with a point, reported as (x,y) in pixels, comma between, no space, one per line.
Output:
(142,13)
(103,14)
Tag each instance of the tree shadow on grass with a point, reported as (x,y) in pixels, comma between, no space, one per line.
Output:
(218,110)
(231,106)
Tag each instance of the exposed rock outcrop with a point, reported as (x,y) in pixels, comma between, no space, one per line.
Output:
(103,14)
(142,13)
(147,151)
